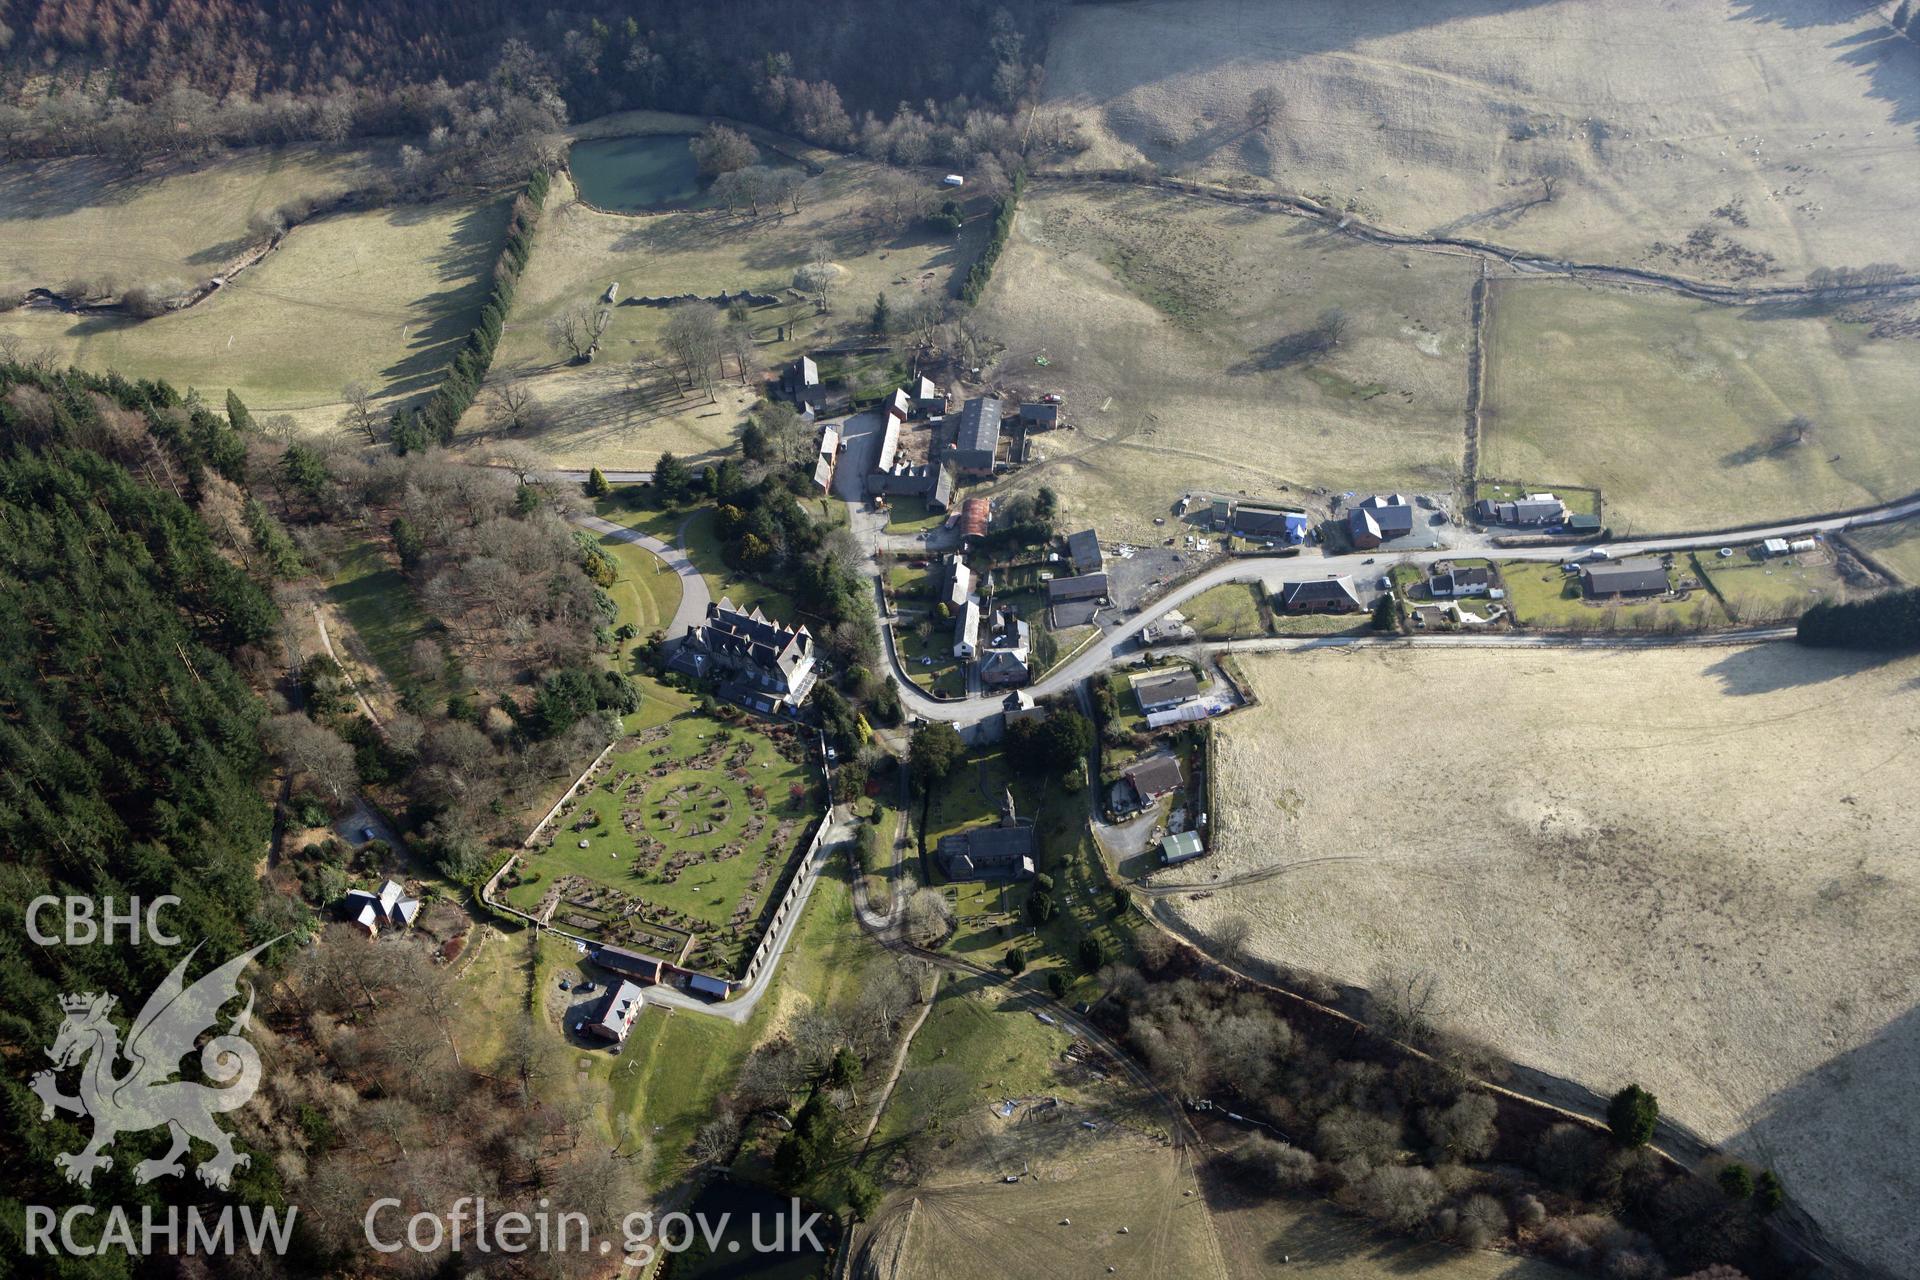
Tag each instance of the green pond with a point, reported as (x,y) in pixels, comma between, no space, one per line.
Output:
(632,175)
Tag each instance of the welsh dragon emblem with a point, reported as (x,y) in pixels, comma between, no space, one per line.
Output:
(145,1095)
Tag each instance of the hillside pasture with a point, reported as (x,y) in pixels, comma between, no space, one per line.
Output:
(1690,868)
(1680,411)
(84,218)
(1181,332)
(1781,132)
(1897,546)
(383,297)
(598,415)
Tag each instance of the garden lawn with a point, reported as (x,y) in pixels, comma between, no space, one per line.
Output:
(911,515)
(693,797)
(692,529)
(647,591)
(1540,595)
(1754,590)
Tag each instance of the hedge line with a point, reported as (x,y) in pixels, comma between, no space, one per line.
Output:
(435,421)
(982,271)
(1888,623)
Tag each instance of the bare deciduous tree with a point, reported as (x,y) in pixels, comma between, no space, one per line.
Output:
(314,750)
(360,416)
(576,329)
(694,340)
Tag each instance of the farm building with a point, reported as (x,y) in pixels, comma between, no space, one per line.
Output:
(1321,595)
(631,964)
(1639,576)
(1003,851)
(613,1018)
(898,405)
(715,988)
(975,515)
(390,908)
(769,657)
(1165,690)
(1181,847)
(966,631)
(928,399)
(976,445)
(1040,417)
(1451,582)
(1088,586)
(940,488)
(1583,524)
(889,443)
(1379,518)
(1083,548)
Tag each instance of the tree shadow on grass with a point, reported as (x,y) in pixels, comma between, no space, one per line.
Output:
(1769,668)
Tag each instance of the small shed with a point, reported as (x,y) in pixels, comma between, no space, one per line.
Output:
(700,983)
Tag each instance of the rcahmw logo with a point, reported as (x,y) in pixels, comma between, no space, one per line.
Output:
(133,1088)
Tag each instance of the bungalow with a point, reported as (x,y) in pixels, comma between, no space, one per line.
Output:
(1450,582)
(390,908)
(966,631)
(631,964)
(613,1018)
(1003,851)
(1040,417)
(1083,548)
(928,399)
(1165,690)
(1532,511)
(1320,595)
(1183,846)
(1379,518)
(976,445)
(1611,579)
(1088,586)
(1154,777)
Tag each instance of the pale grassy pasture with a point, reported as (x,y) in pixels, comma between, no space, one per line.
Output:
(1692,868)
(383,297)
(1676,409)
(1786,130)
(1160,317)
(97,220)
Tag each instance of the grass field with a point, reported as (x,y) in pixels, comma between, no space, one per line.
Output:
(1676,409)
(1897,546)
(382,297)
(1173,327)
(1783,129)
(98,220)
(599,418)
(1690,868)
(692,817)
(1758,590)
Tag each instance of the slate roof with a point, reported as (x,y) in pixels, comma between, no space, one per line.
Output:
(613,1019)
(1641,575)
(978,439)
(1166,690)
(1084,549)
(1382,516)
(1319,591)
(1088,586)
(940,491)
(1155,776)
(630,963)
(889,443)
